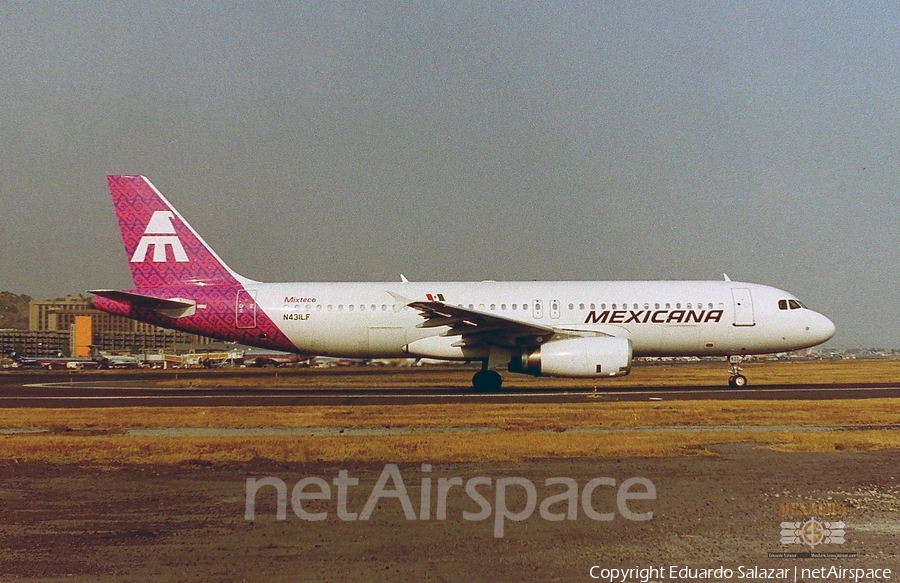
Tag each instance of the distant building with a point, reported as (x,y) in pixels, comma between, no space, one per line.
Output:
(44,315)
(51,324)
(33,343)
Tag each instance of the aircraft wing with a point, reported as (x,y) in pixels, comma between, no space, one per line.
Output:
(478,327)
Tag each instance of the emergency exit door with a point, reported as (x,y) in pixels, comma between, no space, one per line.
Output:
(554,309)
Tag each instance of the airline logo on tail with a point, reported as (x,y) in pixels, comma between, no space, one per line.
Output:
(160,246)
(160,233)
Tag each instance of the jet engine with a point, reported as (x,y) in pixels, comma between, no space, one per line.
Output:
(590,357)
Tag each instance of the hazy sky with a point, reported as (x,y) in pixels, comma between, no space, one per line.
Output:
(465,141)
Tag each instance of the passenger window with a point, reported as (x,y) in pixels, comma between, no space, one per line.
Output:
(580,306)
(593,306)
(513,306)
(571,307)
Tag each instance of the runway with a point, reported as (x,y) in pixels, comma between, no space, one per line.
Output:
(139,390)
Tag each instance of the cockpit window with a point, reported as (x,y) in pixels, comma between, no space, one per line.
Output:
(794,304)
(790,305)
(782,304)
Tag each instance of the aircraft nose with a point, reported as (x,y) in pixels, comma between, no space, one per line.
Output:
(820,328)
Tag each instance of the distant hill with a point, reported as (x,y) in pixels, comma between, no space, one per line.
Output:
(13,311)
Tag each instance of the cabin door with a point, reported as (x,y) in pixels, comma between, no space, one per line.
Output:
(743,307)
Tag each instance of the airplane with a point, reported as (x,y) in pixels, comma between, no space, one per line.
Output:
(51,362)
(21,361)
(107,360)
(264,358)
(590,329)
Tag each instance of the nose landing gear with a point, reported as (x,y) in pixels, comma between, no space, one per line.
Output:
(736,380)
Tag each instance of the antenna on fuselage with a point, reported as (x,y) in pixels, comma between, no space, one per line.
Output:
(725,275)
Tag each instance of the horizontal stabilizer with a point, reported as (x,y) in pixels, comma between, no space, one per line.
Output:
(150,302)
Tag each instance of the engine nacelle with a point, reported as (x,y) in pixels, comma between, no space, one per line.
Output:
(445,348)
(591,357)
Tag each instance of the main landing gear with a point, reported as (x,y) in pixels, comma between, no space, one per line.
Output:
(736,380)
(487,380)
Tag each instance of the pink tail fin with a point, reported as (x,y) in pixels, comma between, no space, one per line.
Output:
(161,247)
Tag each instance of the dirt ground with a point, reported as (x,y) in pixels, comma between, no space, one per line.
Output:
(187,523)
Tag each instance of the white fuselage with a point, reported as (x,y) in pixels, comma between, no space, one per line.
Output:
(661,318)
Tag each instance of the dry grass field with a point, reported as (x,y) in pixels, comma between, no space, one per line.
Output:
(475,432)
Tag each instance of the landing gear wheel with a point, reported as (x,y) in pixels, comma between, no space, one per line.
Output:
(487,380)
(737,381)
